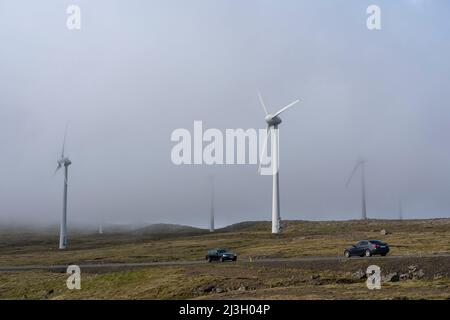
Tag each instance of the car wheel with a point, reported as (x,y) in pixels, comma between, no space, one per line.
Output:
(209,259)
(347,254)
(222,260)
(368,253)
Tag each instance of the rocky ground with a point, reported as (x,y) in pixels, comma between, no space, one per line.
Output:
(418,266)
(402,278)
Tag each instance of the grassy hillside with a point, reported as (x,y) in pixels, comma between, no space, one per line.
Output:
(248,278)
(251,239)
(235,281)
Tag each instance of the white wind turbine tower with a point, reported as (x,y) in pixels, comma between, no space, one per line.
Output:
(211,222)
(273,121)
(101,223)
(100,228)
(360,164)
(64,161)
(400,210)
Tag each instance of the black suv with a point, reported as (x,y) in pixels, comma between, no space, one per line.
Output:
(367,248)
(221,255)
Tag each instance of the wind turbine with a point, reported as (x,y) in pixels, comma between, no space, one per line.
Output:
(211,222)
(273,121)
(360,164)
(100,226)
(64,161)
(400,210)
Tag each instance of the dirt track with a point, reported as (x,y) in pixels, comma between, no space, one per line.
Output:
(432,264)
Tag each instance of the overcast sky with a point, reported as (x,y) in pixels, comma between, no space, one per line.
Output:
(137,70)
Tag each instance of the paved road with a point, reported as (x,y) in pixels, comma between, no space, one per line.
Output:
(196,262)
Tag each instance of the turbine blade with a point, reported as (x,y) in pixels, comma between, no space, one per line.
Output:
(57,168)
(64,141)
(285,108)
(264,148)
(353,173)
(262,103)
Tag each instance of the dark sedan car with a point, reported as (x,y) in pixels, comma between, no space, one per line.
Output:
(221,255)
(367,248)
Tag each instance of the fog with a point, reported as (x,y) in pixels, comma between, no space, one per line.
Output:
(138,70)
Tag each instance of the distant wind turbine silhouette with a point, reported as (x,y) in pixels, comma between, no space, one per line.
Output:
(360,164)
(400,210)
(211,221)
(64,161)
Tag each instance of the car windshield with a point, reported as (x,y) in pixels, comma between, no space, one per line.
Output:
(221,250)
(376,242)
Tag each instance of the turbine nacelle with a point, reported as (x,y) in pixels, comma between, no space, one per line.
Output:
(272,120)
(64,162)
